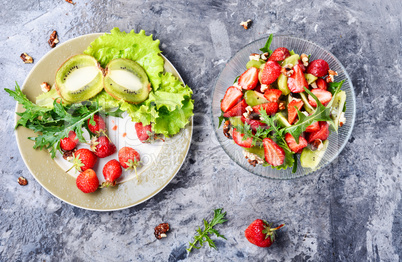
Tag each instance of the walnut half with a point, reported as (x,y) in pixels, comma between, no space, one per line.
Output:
(161,230)
(53,40)
(26,58)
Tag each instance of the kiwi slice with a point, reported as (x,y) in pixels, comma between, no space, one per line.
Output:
(127,80)
(79,78)
(311,159)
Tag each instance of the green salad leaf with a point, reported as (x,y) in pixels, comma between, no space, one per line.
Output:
(266,49)
(334,86)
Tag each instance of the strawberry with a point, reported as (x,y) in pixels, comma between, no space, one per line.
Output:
(249,79)
(297,81)
(145,133)
(238,138)
(323,96)
(274,154)
(102,146)
(270,72)
(318,68)
(83,159)
(232,96)
(313,127)
(70,142)
(271,108)
(321,134)
(129,158)
(237,110)
(295,147)
(272,95)
(260,233)
(279,54)
(292,112)
(254,124)
(100,125)
(111,172)
(321,83)
(87,181)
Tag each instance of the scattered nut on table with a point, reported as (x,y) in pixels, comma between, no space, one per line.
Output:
(26,58)
(246,24)
(22,181)
(70,1)
(53,40)
(161,230)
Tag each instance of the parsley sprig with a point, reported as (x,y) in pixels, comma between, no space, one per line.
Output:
(203,235)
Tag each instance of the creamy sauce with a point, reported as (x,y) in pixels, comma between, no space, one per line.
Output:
(126,79)
(80,78)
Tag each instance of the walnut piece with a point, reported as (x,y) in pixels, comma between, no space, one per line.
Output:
(161,230)
(45,87)
(282,106)
(68,155)
(53,40)
(226,129)
(304,59)
(70,1)
(254,56)
(26,58)
(22,181)
(246,24)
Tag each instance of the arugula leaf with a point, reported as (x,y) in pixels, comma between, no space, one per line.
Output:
(334,86)
(235,81)
(266,49)
(203,235)
(295,164)
(221,119)
(321,113)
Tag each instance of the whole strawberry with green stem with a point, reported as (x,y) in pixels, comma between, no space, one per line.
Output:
(87,181)
(111,171)
(261,233)
(102,146)
(83,159)
(97,125)
(129,158)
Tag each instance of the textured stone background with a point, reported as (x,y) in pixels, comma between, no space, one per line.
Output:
(350,211)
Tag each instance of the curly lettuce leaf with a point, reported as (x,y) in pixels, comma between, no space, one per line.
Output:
(137,47)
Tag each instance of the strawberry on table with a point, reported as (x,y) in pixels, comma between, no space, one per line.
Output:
(292,112)
(318,68)
(274,154)
(70,142)
(87,181)
(323,96)
(322,134)
(321,83)
(111,172)
(103,147)
(260,233)
(249,79)
(295,147)
(83,159)
(238,110)
(232,96)
(270,72)
(297,81)
(272,95)
(271,108)
(238,138)
(129,158)
(100,125)
(279,54)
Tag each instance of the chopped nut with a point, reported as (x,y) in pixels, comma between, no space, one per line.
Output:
(45,87)
(246,24)
(255,57)
(304,59)
(249,109)
(22,181)
(70,1)
(332,72)
(252,162)
(316,145)
(226,129)
(264,56)
(161,230)
(287,70)
(253,159)
(329,78)
(26,58)
(342,119)
(314,85)
(68,155)
(282,106)
(53,40)
(264,88)
(288,66)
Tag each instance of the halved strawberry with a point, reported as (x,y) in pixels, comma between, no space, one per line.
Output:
(313,127)
(292,112)
(279,54)
(297,81)
(272,95)
(274,154)
(232,96)
(321,83)
(270,73)
(318,67)
(238,110)
(249,79)
(254,124)
(238,138)
(321,134)
(323,96)
(303,68)
(271,108)
(295,147)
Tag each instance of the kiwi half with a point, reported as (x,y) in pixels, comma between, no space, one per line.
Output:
(79,78)
(127,80)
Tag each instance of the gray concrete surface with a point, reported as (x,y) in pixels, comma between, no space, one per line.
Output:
(350,211)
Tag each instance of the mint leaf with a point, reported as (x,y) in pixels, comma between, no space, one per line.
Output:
(266,49)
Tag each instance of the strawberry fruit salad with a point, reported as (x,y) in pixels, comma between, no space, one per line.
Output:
(283,105)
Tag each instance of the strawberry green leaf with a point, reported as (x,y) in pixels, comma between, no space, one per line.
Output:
(266,49)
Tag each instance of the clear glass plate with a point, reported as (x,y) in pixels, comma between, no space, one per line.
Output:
(237,65)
